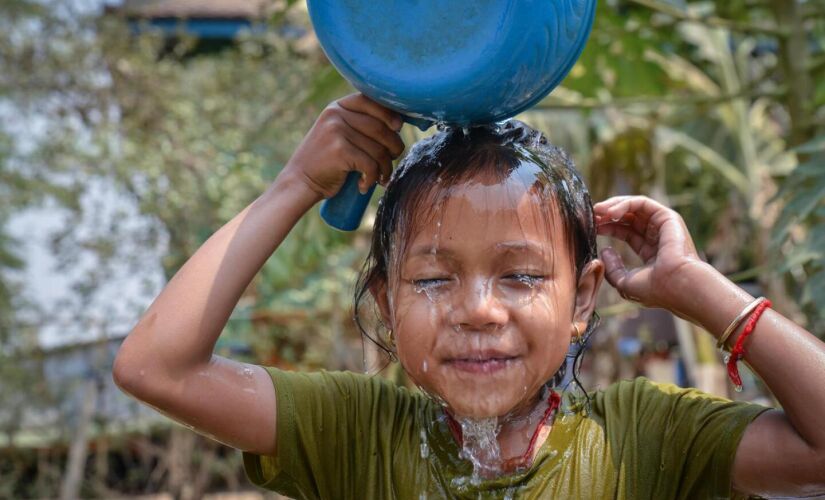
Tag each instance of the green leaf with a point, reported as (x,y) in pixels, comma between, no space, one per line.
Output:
(814,146)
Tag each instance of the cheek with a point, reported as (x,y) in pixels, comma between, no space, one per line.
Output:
(416,322)
(546,323)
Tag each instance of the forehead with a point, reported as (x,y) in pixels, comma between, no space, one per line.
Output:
(489,216)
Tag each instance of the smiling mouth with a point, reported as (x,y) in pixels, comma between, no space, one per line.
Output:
(482,365)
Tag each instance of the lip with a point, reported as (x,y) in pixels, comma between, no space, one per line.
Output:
(483,362)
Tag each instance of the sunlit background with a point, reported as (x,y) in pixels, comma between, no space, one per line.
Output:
(129,132)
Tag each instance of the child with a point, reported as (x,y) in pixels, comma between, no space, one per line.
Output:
(483,270)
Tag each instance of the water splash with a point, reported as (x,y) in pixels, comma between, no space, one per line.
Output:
(480,446)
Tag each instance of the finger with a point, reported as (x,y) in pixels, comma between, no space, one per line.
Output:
(618,276)
(626,234)
(641,206)
(377,151)
(640,223)
(376,130)
(362,104)
(359,160)
(637,211)
(614,269)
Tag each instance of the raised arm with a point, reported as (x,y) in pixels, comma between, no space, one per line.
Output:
(167,359)
(782,453)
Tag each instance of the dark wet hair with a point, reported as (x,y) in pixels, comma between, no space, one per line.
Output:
(452,156)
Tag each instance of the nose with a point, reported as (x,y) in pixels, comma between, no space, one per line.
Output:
(477,308)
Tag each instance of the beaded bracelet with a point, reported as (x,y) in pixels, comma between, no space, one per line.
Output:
(738,351)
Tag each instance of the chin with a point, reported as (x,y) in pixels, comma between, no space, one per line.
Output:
(473,404)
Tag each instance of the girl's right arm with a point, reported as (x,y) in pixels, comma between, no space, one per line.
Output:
(166,360)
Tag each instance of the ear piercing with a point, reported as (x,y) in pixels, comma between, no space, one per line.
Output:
(577,339)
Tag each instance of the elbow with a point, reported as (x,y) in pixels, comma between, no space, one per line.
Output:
(125,373)
(129,370)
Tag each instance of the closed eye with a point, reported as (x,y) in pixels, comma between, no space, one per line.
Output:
(429,282)
(530,280)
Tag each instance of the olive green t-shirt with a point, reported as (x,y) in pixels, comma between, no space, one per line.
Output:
(343,435)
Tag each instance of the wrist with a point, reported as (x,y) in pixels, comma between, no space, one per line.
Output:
(295,185)
(708,298)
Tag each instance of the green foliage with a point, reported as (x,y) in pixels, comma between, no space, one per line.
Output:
(698,104)
(800,231)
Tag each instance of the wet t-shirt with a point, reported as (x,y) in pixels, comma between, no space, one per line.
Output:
(343,435)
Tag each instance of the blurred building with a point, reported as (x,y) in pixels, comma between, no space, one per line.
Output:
(203,19)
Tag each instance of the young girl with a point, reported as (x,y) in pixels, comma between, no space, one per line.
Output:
(483,270)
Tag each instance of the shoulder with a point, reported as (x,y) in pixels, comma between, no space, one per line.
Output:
(641,392)
(682,436)
(643,404)
(363,393)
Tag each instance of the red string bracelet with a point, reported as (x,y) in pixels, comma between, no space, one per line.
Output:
(738,351)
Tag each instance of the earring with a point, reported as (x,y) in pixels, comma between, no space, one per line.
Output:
(392,339)
(577,339)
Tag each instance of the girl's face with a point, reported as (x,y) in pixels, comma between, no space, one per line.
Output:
(484,299)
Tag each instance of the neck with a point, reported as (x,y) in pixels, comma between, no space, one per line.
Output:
(519,436)
(530,426)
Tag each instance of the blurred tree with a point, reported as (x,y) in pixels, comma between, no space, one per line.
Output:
(700,105)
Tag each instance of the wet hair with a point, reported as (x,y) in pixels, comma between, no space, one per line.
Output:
(450,157)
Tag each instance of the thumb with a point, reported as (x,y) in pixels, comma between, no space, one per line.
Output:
(617,274)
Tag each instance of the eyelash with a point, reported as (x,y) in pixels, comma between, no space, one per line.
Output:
(526,279)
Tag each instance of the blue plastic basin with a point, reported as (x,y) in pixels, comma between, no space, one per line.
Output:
(463,62)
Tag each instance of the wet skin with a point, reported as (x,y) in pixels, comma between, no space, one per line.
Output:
(484,300)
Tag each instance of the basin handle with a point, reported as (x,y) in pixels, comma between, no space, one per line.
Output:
(345,210)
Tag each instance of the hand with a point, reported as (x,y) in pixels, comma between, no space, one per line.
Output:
(352,134)
(659,236)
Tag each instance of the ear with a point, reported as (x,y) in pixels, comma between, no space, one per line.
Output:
(379,291)
(586,293)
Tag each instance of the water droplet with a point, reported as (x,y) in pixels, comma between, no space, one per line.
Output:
(738,388)
(247,372)
(424,366)
(425,446)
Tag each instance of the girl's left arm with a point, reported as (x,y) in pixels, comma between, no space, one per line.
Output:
(783,451)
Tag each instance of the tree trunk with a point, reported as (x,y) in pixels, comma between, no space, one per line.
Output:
(70,487)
